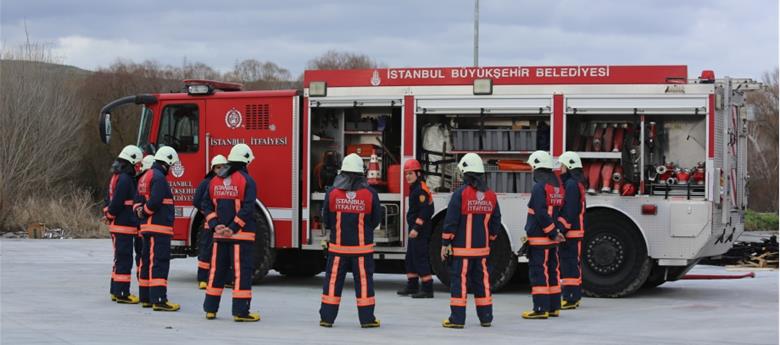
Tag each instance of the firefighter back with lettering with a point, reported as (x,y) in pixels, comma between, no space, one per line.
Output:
(229,205)
(156,213)
(544,234)
(473,220)
(206,235)
(122,223)
(573,220)
(418,218)
(351,211)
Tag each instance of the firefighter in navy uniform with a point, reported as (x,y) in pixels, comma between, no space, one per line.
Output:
(544,234)
(418,217)
(473,220)
(230,207)
(138,242)
(351,211)
(156,213)
(122,223)
(206,235)
(573,220)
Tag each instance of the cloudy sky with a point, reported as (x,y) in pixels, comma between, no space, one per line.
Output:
(737,38)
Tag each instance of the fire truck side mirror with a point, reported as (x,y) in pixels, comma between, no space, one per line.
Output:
(105,127)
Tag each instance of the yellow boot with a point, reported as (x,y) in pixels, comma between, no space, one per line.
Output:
(554,313)
(251,317)
(374,324)
(202,285)
(566,305)
(167,306)
(129,299)
(448,324)
(211,316)
(326,324)
(534,315)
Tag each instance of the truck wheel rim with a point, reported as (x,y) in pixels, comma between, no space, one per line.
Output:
(605,254)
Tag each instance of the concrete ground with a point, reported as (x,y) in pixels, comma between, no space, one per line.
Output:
(56,292)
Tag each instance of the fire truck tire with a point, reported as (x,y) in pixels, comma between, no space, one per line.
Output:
(502,261)
(615,261)
(264,251)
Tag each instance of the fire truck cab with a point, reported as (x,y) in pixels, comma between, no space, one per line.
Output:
(665,158)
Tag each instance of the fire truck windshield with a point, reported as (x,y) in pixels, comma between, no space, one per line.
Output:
(145,127)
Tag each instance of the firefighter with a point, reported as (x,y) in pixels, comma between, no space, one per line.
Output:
(122,223)
(573,220)
(418,217)
(473,220)
(351,211)
(544,234)
(138,240)
(229,204)
(155,212)
(206,235)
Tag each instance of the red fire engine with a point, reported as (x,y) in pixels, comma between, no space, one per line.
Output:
(664,155)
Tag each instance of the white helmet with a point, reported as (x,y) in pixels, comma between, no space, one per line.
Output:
(218,160)
(541,159)
(167,155)
(570,159)
(132,154)
(147,162)
(352,163)
(241,153)
(471,162)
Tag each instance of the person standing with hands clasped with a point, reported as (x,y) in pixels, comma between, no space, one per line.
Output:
(573,220)
(229,205)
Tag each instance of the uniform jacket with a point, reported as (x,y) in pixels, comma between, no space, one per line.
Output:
(230,201)
(119,204)
(351,216)
(418,217)
(573,212)
(473,219)
(543,211)
(156,199)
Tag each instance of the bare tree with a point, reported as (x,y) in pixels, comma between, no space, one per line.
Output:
(39,126)
(763,146)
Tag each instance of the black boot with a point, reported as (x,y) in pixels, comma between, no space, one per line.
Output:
(426,291)
(412,287)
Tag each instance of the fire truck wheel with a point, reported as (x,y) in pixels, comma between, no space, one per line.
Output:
(264,251)
(502,261)
(614,259)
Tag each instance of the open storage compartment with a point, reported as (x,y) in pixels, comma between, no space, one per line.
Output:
(372,130)
(640,145)
(503,131)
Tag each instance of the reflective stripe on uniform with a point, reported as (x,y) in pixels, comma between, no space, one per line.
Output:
(365,302)
(203,265)
(242,293)
(483,301)
(458,302)
(160,229)
(571,281)
(340,249)
(122,278)
(471,251)
(564,222)
(575,234)
(541,241)
(331,299)
(121,229)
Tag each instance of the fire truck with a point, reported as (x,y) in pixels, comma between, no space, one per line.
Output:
(665,157)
